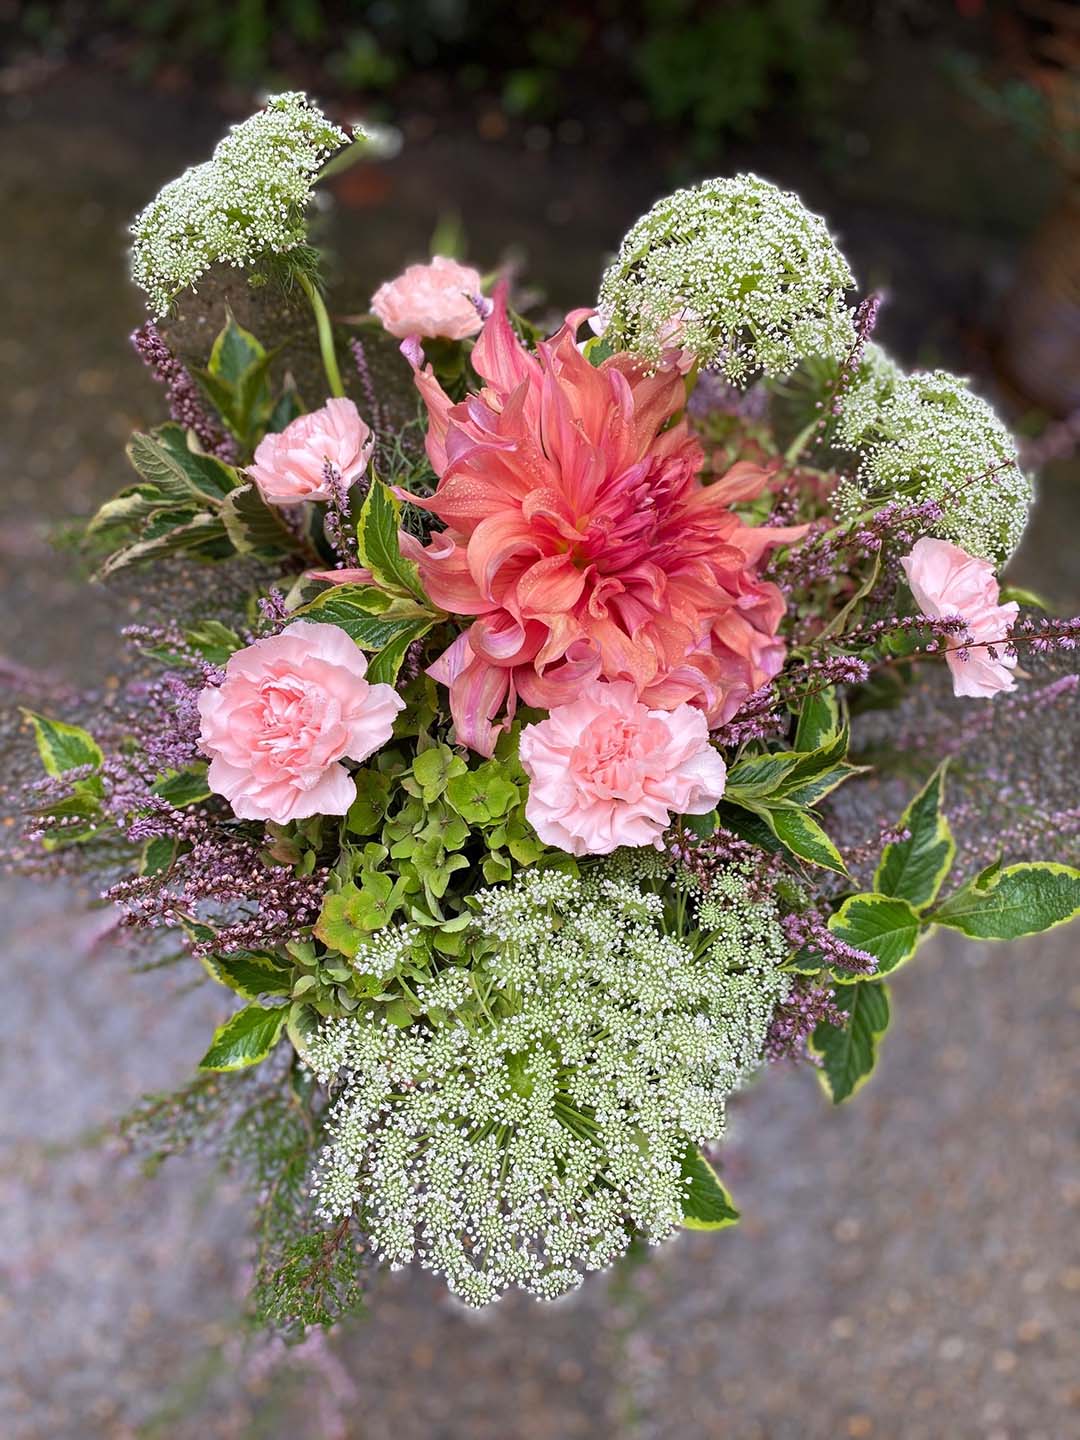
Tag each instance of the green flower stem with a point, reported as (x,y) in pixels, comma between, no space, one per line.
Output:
(326,335)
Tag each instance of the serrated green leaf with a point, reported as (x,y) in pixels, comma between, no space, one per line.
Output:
(819,720)
(384,667)
(63,747)
(201,535)
(377,541)
(849,1054)
(214,642)
(915,868)
(158,855)
(288,408)
(254,527)
(302,1027)
(245,1039)
(180,474)
(882,925)
(706,1204)
(234,352)
(250,975)
(805,837)
(1008,903)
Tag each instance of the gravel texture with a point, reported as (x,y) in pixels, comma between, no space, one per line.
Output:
(908,1266)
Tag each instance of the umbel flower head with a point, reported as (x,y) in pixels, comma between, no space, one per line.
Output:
(246,202)
(928,437)
(527,1139)
(582,537)
(734,271)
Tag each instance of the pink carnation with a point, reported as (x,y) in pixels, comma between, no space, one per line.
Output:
(290,708)
(290,467)
(606,770)
(946,581)
(436,300)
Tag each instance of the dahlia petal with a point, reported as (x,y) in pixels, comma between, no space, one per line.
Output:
(476,694)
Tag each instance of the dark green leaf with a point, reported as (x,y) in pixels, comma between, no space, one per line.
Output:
(245,1039)
(249,974)
(706,1204)
(288,408)
(882,925)
(819,720)
(158,855)
(914,868)
(1005,904)
(362,612)
(384,667)
(63,747)
(377,539)
(804,836)
(184,787)
(849,1054)
(254,527)
(235,352)
(181,475)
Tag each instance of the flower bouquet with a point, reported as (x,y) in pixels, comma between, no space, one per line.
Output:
(536,735)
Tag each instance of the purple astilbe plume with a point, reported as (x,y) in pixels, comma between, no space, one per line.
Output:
(808,931)
(367,385)
(830,551)
(808,1005)
(339,531)
(185,400)
(937,630)
(702,858)
(222,878)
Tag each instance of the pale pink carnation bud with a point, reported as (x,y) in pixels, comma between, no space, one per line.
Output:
(946,582)
(438,301)
(290,709)
(606,771)
(290,467)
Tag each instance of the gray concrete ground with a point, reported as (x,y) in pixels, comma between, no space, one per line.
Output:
(908,1266)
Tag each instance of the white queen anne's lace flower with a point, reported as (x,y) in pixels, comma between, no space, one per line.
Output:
(524,1144)
(927,436)
(245,202)
(737,273)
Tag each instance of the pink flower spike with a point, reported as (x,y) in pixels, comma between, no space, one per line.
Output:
(290,467)
(946,581)
(434,301)
(606,771)
(290,709)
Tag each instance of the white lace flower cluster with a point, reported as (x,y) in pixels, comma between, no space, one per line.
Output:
(526,1147)
(736,272)
(928,437)
(245,202)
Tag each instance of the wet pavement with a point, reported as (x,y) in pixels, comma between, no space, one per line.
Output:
(908,1266)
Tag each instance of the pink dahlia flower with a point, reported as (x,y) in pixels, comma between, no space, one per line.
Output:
(582,538)
(290,708)
(290,467)
(439,300)
(946,581)
(605,770)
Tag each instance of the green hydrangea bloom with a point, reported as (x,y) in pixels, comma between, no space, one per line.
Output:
(246,202)
(523,1141)
(735,271)
(928,437)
